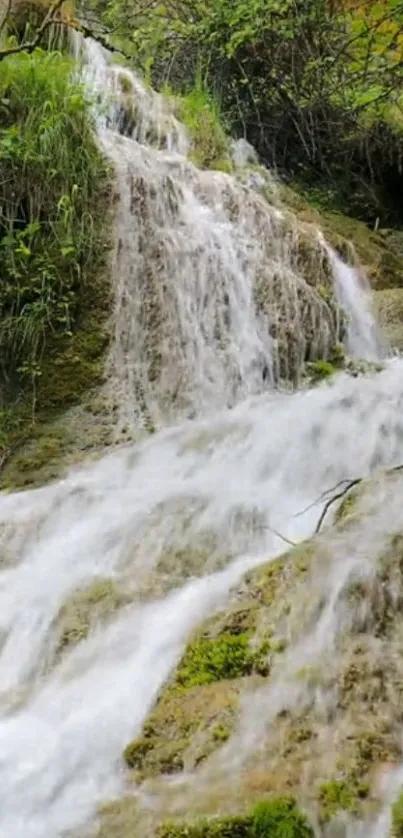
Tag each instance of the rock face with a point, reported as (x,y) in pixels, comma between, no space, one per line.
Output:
(389,304)
(293,688)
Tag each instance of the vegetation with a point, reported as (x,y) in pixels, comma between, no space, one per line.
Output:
(273,818)
(85,607)
(200,112)
(210,659)
(334,796)
(184,728)
(54,296)
(314,85)
(397,817)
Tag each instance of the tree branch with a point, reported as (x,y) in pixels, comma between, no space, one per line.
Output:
(29,46)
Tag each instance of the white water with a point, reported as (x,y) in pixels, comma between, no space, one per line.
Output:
(353,293)
(223,485)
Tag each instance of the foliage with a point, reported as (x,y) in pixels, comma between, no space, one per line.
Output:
(52,178)
(276,817)
(314,85)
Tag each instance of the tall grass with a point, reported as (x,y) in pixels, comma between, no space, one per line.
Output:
(52,178)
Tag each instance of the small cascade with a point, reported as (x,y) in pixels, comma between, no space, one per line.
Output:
(363,339)
(219,293)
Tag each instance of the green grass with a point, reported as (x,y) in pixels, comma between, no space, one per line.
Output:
(200,113)
(52,177)
(54,241)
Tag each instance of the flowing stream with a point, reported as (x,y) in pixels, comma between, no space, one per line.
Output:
(177,518)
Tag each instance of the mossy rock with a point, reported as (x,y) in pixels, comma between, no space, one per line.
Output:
(42,445)
(184,728)
(88,605)
(277,817)
(232,651)
(389,306)
(378,252)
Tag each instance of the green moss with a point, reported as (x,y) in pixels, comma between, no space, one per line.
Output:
(333,796)
(320,370)
(397,818)
(276,817)
(220,733)
(210,659)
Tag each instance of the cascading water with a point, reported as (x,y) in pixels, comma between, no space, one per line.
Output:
(174,522)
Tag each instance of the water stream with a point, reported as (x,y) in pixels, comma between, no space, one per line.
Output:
(179,517)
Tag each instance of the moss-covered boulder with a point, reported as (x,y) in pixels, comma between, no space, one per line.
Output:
(87,606)
(321,721)
(184,728)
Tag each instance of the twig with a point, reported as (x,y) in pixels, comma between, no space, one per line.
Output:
(279,535)
(320,498)
(89,33)
(339,495)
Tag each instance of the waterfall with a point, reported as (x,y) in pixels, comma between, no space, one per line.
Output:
(219,293)
(172,524)
(353,293)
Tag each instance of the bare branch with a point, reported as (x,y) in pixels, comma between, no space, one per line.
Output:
(332,500)
(279,535)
